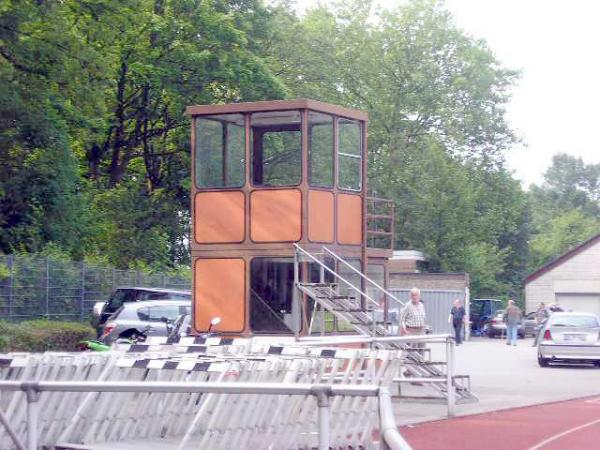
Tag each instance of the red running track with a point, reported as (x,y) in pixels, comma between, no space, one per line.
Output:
(570,425)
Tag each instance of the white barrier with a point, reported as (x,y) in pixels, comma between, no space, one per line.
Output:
(205,419)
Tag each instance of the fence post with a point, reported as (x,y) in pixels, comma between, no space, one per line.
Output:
(10,263)
(47,288)
(137,278)
(323,404)
(32,417)
(82,295)
(450,391)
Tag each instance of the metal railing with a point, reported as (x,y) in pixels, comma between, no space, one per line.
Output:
(363,276)
(446,339)
(334,273)
(322,392)
(323,268)
(380,223)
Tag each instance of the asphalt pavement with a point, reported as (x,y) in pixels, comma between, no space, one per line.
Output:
(504,377)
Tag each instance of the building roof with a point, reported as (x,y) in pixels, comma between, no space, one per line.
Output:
(562,258)
(411,255)
(277,105)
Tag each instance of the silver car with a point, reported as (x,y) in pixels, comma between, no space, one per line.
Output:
(149,318)
(570,337)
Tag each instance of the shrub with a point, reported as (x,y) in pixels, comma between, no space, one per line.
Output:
(43,335)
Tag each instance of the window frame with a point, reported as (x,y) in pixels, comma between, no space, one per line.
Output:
(196,140)
(275,128)
(310,153)
(339,155)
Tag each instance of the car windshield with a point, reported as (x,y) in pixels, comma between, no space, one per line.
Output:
(575,321)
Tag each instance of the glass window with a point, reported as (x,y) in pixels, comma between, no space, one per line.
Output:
(349,155)
(220,151)
(163,296)
(276,148)
(351,276)
(320,132)
(574,321)
(158,313)
(119,297)
(271,295)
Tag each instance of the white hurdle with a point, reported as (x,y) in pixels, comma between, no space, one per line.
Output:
(199,418)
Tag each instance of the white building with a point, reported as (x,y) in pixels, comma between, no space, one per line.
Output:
(572,280)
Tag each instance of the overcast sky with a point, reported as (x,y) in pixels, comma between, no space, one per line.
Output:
(555,43)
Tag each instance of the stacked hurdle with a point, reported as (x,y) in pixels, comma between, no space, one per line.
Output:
(200,420)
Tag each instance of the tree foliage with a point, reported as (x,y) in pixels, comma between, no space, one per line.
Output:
(95,143)
(565,208)
(437,131)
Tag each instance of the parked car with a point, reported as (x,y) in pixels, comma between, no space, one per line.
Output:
(530,325)
(481,311)
(570,337)
(103,310)
(495,326)
(150,317)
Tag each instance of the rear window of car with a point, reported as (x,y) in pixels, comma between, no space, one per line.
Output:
(163,296)
(156,313)
(575,321)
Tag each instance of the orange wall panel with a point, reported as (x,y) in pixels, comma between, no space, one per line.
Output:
(219,217)
(349,219)
(320,216)
(220,291)
(276,215)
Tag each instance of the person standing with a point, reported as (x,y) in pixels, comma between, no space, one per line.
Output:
(541,314)
(512,317)
(413,317)
(457,318)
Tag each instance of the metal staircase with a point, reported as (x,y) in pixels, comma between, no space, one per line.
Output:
(364,314)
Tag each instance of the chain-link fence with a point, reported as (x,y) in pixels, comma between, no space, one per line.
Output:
(33,287)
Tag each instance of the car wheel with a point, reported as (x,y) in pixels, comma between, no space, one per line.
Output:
(543,362)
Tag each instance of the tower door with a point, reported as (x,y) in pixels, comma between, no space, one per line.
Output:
(272,305)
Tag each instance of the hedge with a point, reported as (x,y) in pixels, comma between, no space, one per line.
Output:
(43,335)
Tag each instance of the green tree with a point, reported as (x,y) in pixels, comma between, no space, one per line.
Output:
(562,233)
(437,130)
(565,208)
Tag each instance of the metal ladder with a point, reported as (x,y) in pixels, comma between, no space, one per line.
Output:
(359,310)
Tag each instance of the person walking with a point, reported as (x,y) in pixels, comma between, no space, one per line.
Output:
(457,318)
(512,318)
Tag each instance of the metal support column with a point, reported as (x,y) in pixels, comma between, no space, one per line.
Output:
(297,297)
(450,391)
(47,288)
(32,396)
(321,310)
(11,263)
(323,404)
(82,300)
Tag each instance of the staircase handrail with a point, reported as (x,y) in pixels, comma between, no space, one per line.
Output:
(363,276)
(335,274)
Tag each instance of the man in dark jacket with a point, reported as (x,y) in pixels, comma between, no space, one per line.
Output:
(457,318)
